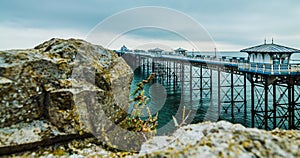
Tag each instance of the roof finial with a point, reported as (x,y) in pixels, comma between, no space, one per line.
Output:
(272,40)
(265,41)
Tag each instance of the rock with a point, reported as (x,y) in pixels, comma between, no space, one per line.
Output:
(25,133)
(26,136)
(72,85)
(75,148)
(223,139)
(70,109)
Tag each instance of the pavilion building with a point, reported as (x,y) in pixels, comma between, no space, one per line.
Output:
(269,57)
(180,51)
(157,51)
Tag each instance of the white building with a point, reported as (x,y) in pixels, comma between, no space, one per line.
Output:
(270,54)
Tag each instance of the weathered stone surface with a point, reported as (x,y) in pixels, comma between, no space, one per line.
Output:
(25,133)
(73,149)
(70,109)
(223,139)
(26,136)
(73,85)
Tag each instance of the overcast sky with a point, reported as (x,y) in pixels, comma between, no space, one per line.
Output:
(232,24)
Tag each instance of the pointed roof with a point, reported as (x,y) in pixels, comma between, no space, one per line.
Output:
(180,50)
(124,48)
(270,48)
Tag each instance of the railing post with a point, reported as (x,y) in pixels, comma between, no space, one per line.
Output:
(272,69)
(256,67)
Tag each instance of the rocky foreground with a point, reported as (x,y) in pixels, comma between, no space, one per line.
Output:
(221,139)
(63,90)
(69,98)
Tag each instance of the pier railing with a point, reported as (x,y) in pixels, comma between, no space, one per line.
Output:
(272,69)
(241,62)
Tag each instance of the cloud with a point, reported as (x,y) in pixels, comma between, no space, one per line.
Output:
(20,38)
(232,22)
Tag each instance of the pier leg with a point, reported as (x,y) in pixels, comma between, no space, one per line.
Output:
(219,92)
(293,107)
(174,75)
(252,101)
(153,70)
(138,66)
(191,84)
(210,87)
(266,89)
(290,109)
(143,66)
(296,106)
(201,84)
(148,67)
(182,80)
(167,71)
(245,94)
(274,105)
(232,91)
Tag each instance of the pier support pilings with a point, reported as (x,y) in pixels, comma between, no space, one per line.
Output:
(274,99)
(274,103)
(232,91)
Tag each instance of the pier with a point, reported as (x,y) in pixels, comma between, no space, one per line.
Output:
(274,81)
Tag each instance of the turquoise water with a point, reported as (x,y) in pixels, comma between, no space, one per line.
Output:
(169,101)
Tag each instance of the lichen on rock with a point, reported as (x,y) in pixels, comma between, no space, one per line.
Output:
(74,86)
(223,139)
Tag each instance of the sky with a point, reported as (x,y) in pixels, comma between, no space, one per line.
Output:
(231,25)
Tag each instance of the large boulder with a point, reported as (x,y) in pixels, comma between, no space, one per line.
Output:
(223,139)
(72,85)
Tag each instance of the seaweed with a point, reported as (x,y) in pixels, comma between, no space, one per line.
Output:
(135,121)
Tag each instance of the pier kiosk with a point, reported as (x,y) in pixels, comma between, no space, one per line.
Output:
(122,51)
(180,51)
